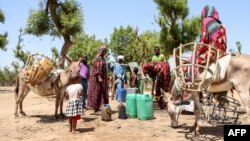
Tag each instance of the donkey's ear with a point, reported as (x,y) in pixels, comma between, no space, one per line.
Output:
(68,59)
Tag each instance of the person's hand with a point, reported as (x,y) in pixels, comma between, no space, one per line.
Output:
(100,80)
(152,93)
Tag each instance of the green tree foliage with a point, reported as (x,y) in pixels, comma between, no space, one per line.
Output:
(84,44)
(3,37)
(123,42)
(18,51)
(55,54)
(59,19)
(136,47)
(7,77)
(150,39)
(238,46)
(176,27)
(16,67)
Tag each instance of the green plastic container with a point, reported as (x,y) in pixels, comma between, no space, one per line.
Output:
(144,107)
(141,86)
(131,108)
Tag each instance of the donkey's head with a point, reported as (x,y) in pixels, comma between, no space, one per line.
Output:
(72,73)
(173,108)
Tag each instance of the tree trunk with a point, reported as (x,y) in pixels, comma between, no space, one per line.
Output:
(65,48)
(52,5)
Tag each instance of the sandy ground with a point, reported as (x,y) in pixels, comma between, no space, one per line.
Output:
(40,124)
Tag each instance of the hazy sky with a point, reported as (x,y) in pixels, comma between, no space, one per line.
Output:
(101,16)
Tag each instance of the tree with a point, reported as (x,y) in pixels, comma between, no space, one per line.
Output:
(3,37)
(58,19)
(176,27)
(239,47)
(55,54)
(84,44)
(18,51)
(123,42)
(126,40)
(7,77)
(150,39)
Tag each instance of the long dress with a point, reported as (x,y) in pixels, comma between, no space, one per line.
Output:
(98,92)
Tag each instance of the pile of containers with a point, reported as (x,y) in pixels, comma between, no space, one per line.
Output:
(139,106)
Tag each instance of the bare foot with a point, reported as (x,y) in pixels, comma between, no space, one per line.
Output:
(75,132)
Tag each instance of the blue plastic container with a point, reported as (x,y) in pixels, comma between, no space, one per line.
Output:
(144,107)
(121,94)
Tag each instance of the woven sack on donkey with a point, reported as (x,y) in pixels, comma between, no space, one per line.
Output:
(122,111)
(106,113)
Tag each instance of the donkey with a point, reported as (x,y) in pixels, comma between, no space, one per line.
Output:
(237,77)
(48,87)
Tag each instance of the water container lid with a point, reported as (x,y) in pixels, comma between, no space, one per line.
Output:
(131,96)
(144,97)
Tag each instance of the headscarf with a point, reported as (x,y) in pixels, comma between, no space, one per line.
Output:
(209,11)
(100,51)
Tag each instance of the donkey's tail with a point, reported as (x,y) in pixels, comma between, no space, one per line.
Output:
(17,86)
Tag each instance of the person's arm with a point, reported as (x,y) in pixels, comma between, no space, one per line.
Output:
(125,75)
(202,39)
(164,58)
(153,87)
(152,59)
(66,95)
(79,93)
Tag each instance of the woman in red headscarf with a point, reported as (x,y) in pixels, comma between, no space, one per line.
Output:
(98,81)
(213,33)
(161,71)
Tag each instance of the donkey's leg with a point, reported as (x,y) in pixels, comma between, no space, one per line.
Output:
(57,105)
(244,93)
(61,104)
(197,112)
(20,89)
(27,90)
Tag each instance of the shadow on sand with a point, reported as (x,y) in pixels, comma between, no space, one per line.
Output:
(88,119)
(207,133)
(6,91)
(47,118)
(83,130)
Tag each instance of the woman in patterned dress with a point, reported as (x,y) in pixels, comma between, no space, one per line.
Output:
(213,33)
(98,81)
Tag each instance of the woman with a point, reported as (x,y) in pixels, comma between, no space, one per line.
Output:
(161,71)
(98,81)
(213,33)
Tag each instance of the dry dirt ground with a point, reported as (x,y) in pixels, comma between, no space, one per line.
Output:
(40,124)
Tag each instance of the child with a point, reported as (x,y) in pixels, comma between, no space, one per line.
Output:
(135,79)
(74,108)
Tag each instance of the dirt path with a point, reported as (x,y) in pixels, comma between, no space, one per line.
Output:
(40,124)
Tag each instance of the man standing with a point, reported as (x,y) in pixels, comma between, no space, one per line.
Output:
(119,73)
(84,73)
(158,57)
(162,76)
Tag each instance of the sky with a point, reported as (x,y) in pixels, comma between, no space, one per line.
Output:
(102,16)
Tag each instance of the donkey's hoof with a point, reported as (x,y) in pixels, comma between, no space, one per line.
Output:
(16,115)
(57,117)
(23,114)
(62,116)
